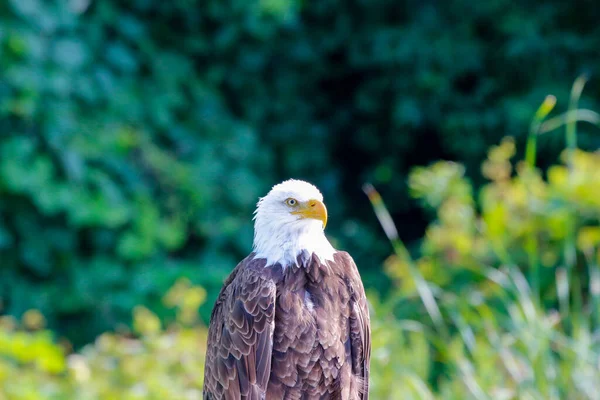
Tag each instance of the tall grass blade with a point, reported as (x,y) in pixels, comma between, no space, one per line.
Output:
(571,128)
(594,273)
(562,292)
(467,371)
(425,292)
(419,386)
(572,116)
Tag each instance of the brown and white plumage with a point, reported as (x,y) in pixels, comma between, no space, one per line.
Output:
(291,321)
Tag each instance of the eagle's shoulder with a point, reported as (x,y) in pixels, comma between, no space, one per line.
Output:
(250,272)
(345,263)
(341,256)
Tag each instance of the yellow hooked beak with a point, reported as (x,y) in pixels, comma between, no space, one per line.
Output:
(314,209)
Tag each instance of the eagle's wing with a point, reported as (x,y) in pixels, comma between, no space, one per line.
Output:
(360,328)
(240,337)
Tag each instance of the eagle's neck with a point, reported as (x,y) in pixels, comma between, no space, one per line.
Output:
(283,244)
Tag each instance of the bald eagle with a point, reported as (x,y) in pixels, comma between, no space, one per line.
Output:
(291,321)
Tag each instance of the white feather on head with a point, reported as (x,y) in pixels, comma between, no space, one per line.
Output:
(280,235)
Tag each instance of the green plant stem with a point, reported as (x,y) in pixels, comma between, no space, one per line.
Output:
(531,149)
(571,124)
(530,156)
(570,244)
(541,113)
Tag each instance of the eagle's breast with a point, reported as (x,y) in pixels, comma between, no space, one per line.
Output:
(310,341)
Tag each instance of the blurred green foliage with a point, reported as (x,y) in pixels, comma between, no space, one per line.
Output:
(136,136)
(506,289)
(151,362)
(499,337)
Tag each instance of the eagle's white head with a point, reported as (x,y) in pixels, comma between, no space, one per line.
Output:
(290,219)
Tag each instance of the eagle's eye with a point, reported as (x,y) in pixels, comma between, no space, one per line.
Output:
(291,202)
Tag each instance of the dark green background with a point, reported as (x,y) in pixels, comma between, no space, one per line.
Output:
(136,136)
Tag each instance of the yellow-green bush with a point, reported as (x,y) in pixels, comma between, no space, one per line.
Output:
(152,362)
(506,288)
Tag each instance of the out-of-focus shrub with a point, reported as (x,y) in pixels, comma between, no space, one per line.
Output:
(546,227)
(152,362)
(32,365)
(506,289)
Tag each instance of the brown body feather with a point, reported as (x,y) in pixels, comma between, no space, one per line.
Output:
(296,333)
